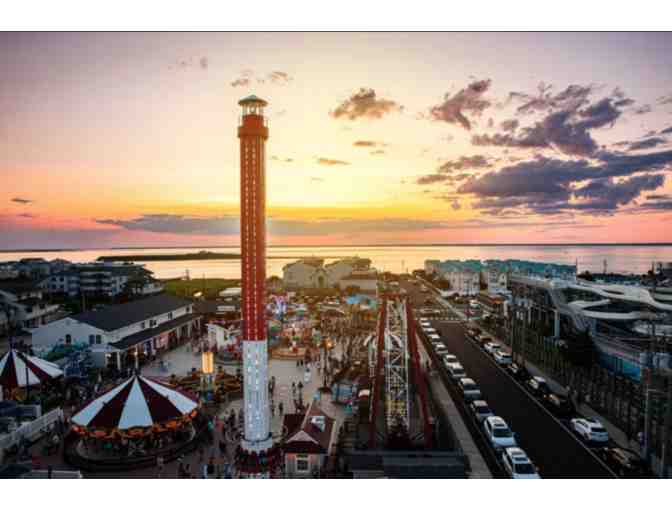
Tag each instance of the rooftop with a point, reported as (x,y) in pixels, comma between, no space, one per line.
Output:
(252,99)
(118,316)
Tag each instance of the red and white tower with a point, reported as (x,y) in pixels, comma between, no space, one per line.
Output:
(253,133)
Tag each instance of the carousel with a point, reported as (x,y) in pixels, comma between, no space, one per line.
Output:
(140,417)
(18,371)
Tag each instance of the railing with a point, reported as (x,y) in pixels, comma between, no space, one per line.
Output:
(30,429)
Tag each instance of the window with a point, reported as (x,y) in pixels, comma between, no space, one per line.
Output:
(98,339)
(142,325)
(170,315)
(90,339)
(68,339)
(302,464)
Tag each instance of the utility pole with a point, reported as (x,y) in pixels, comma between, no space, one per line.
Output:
(667,424)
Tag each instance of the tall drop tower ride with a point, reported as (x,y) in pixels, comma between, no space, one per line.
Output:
(253,133)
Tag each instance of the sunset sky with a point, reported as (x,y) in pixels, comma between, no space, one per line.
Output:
(115,139)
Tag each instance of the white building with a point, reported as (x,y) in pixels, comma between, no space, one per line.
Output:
(23,301)
(312,273)
(305,273)
(465,282)
(102,279)
(120,334)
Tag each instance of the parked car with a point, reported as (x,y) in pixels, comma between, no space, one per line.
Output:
(517,464)
(429,331)
(450,358)
(491,347)
(440,349)
(456,371)
(626,463)
(469,389)
(502,358)
(519,372)
(538,386)
(473,333)
(498,433)
(481,410)
(484,339)
(434,338)
(559,405)
(590,430)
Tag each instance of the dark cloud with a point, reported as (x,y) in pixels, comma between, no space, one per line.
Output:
(432,179)
(546,186)
(566,130)
(20,200)
(204,62)
(456,205)
(331,162)
(364,104)
(368,143)
(667,131)
(659,197)
(509,126)
(230,225)
(648,143)
(469,100)
(572,98)
(26,215)
(476,161)
(608,195)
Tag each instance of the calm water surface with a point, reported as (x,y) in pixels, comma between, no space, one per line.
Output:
(624,258)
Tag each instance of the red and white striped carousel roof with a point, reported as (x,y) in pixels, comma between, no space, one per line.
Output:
(13,373)
(137,402)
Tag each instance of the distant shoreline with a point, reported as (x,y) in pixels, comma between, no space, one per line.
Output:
(161,257)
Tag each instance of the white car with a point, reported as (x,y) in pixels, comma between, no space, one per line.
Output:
(498,433)
(492,347)
(590,430)
(456,371)
(481,410)
(440,349)
(502,358)
(450,358)
(469,389)
(518,464)
(429,331)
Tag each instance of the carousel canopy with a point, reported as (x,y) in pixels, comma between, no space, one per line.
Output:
(13,373)
(137,402)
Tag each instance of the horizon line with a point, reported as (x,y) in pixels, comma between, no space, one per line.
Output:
(373,245)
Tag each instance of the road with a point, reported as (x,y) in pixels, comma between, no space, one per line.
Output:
(554,449)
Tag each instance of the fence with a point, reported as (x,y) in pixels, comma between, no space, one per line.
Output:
(31,429)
